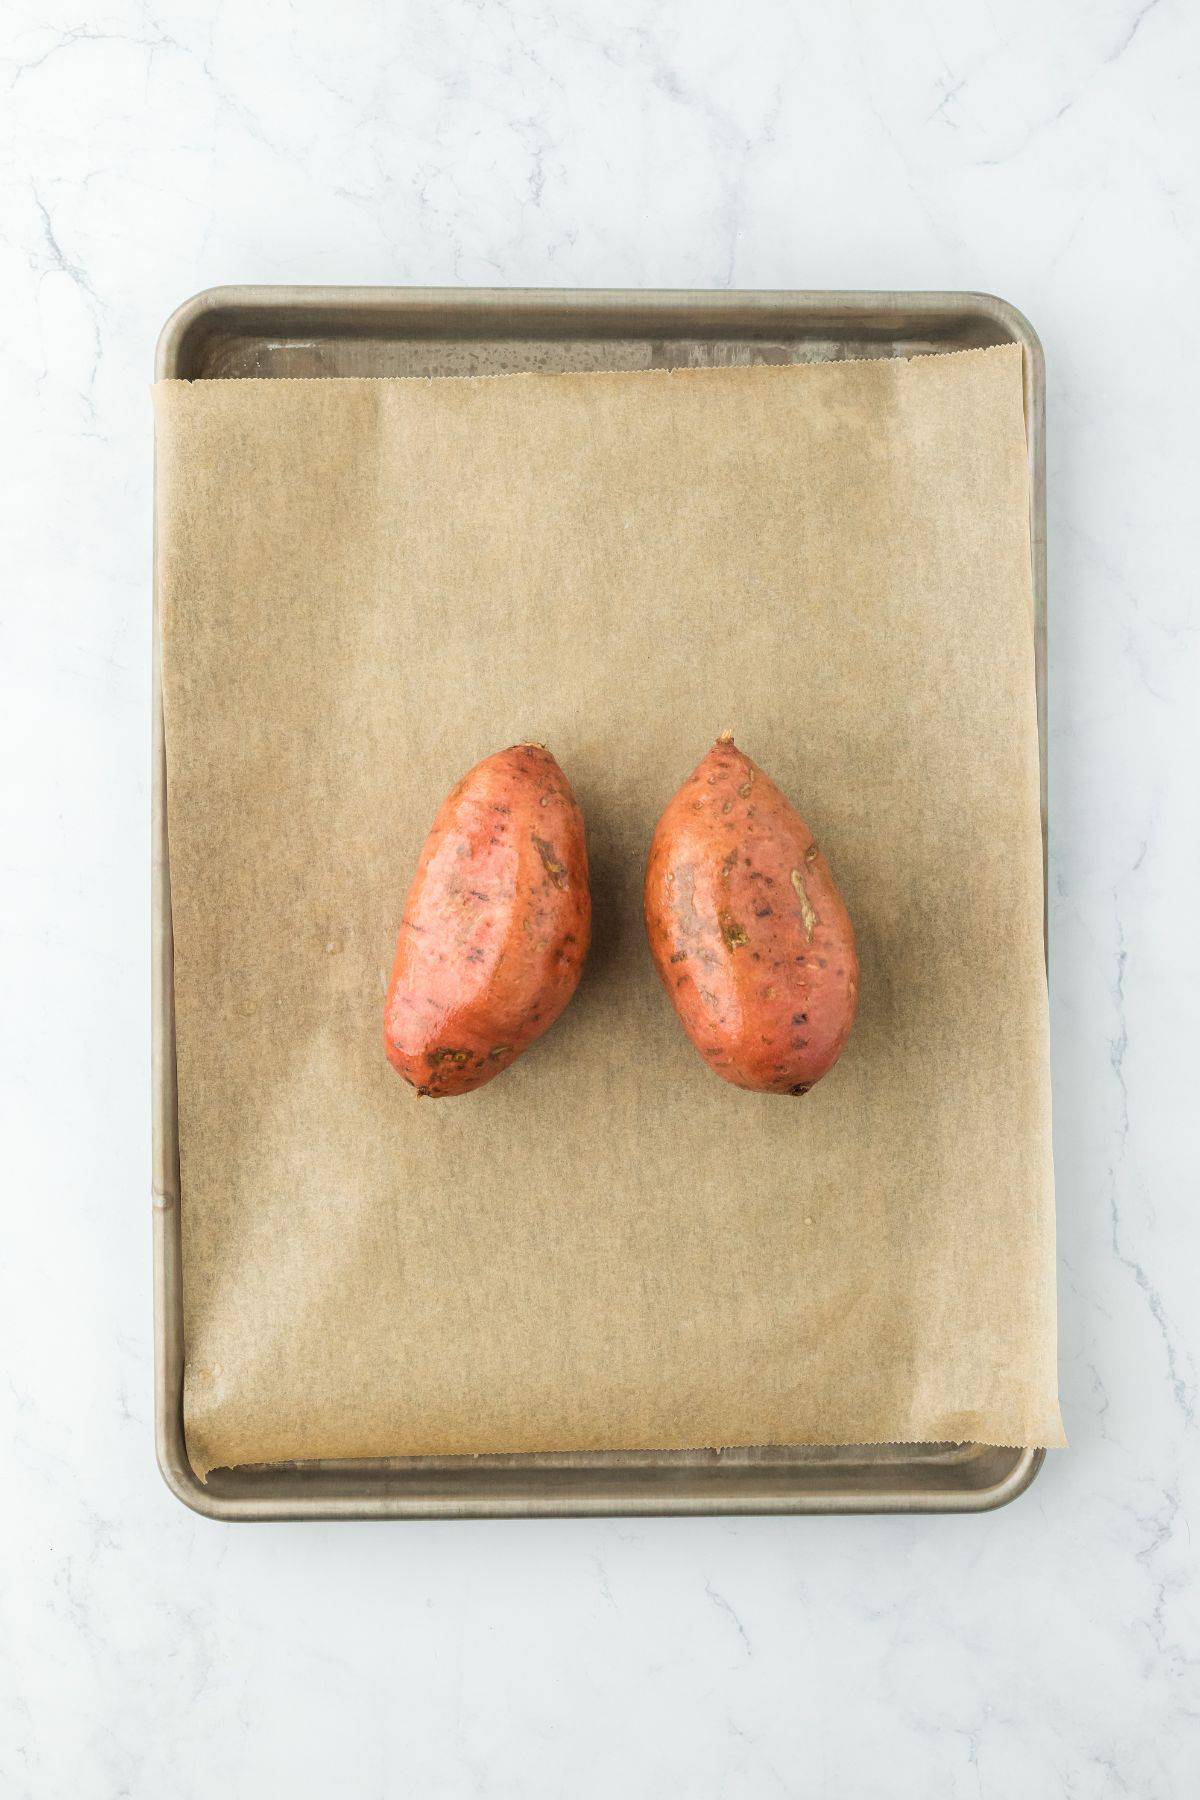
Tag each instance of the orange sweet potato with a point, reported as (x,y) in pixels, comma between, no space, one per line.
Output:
(495,928)
(748,931)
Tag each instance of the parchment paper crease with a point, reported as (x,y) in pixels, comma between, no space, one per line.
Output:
(366,586)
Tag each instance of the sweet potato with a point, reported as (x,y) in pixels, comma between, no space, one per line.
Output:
(495,928)
(748,931)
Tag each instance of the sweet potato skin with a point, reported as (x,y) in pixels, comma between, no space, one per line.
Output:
(495,928)
(748,930)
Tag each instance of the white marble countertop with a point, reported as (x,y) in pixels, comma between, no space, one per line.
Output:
(1044,151)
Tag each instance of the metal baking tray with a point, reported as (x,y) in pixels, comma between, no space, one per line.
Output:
(304,332)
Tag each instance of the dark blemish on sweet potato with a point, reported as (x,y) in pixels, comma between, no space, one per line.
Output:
(735,934)
(499,1050)
(550,862)
(801,1087)
(763,912)
(499,806)
(810,855)
(744,790)
(476,895)
(727,807)
(679,956)
(727,865)
(799,1018)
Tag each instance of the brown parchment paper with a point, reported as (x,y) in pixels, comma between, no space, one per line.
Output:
(368,585)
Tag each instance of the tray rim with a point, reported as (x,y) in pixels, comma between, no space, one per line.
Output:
(170,1446)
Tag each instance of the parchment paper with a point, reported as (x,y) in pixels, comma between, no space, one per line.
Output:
(368,585)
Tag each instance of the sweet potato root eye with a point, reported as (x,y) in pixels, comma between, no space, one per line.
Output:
(738,884)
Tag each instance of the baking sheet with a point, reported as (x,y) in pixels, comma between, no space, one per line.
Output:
(736,519)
